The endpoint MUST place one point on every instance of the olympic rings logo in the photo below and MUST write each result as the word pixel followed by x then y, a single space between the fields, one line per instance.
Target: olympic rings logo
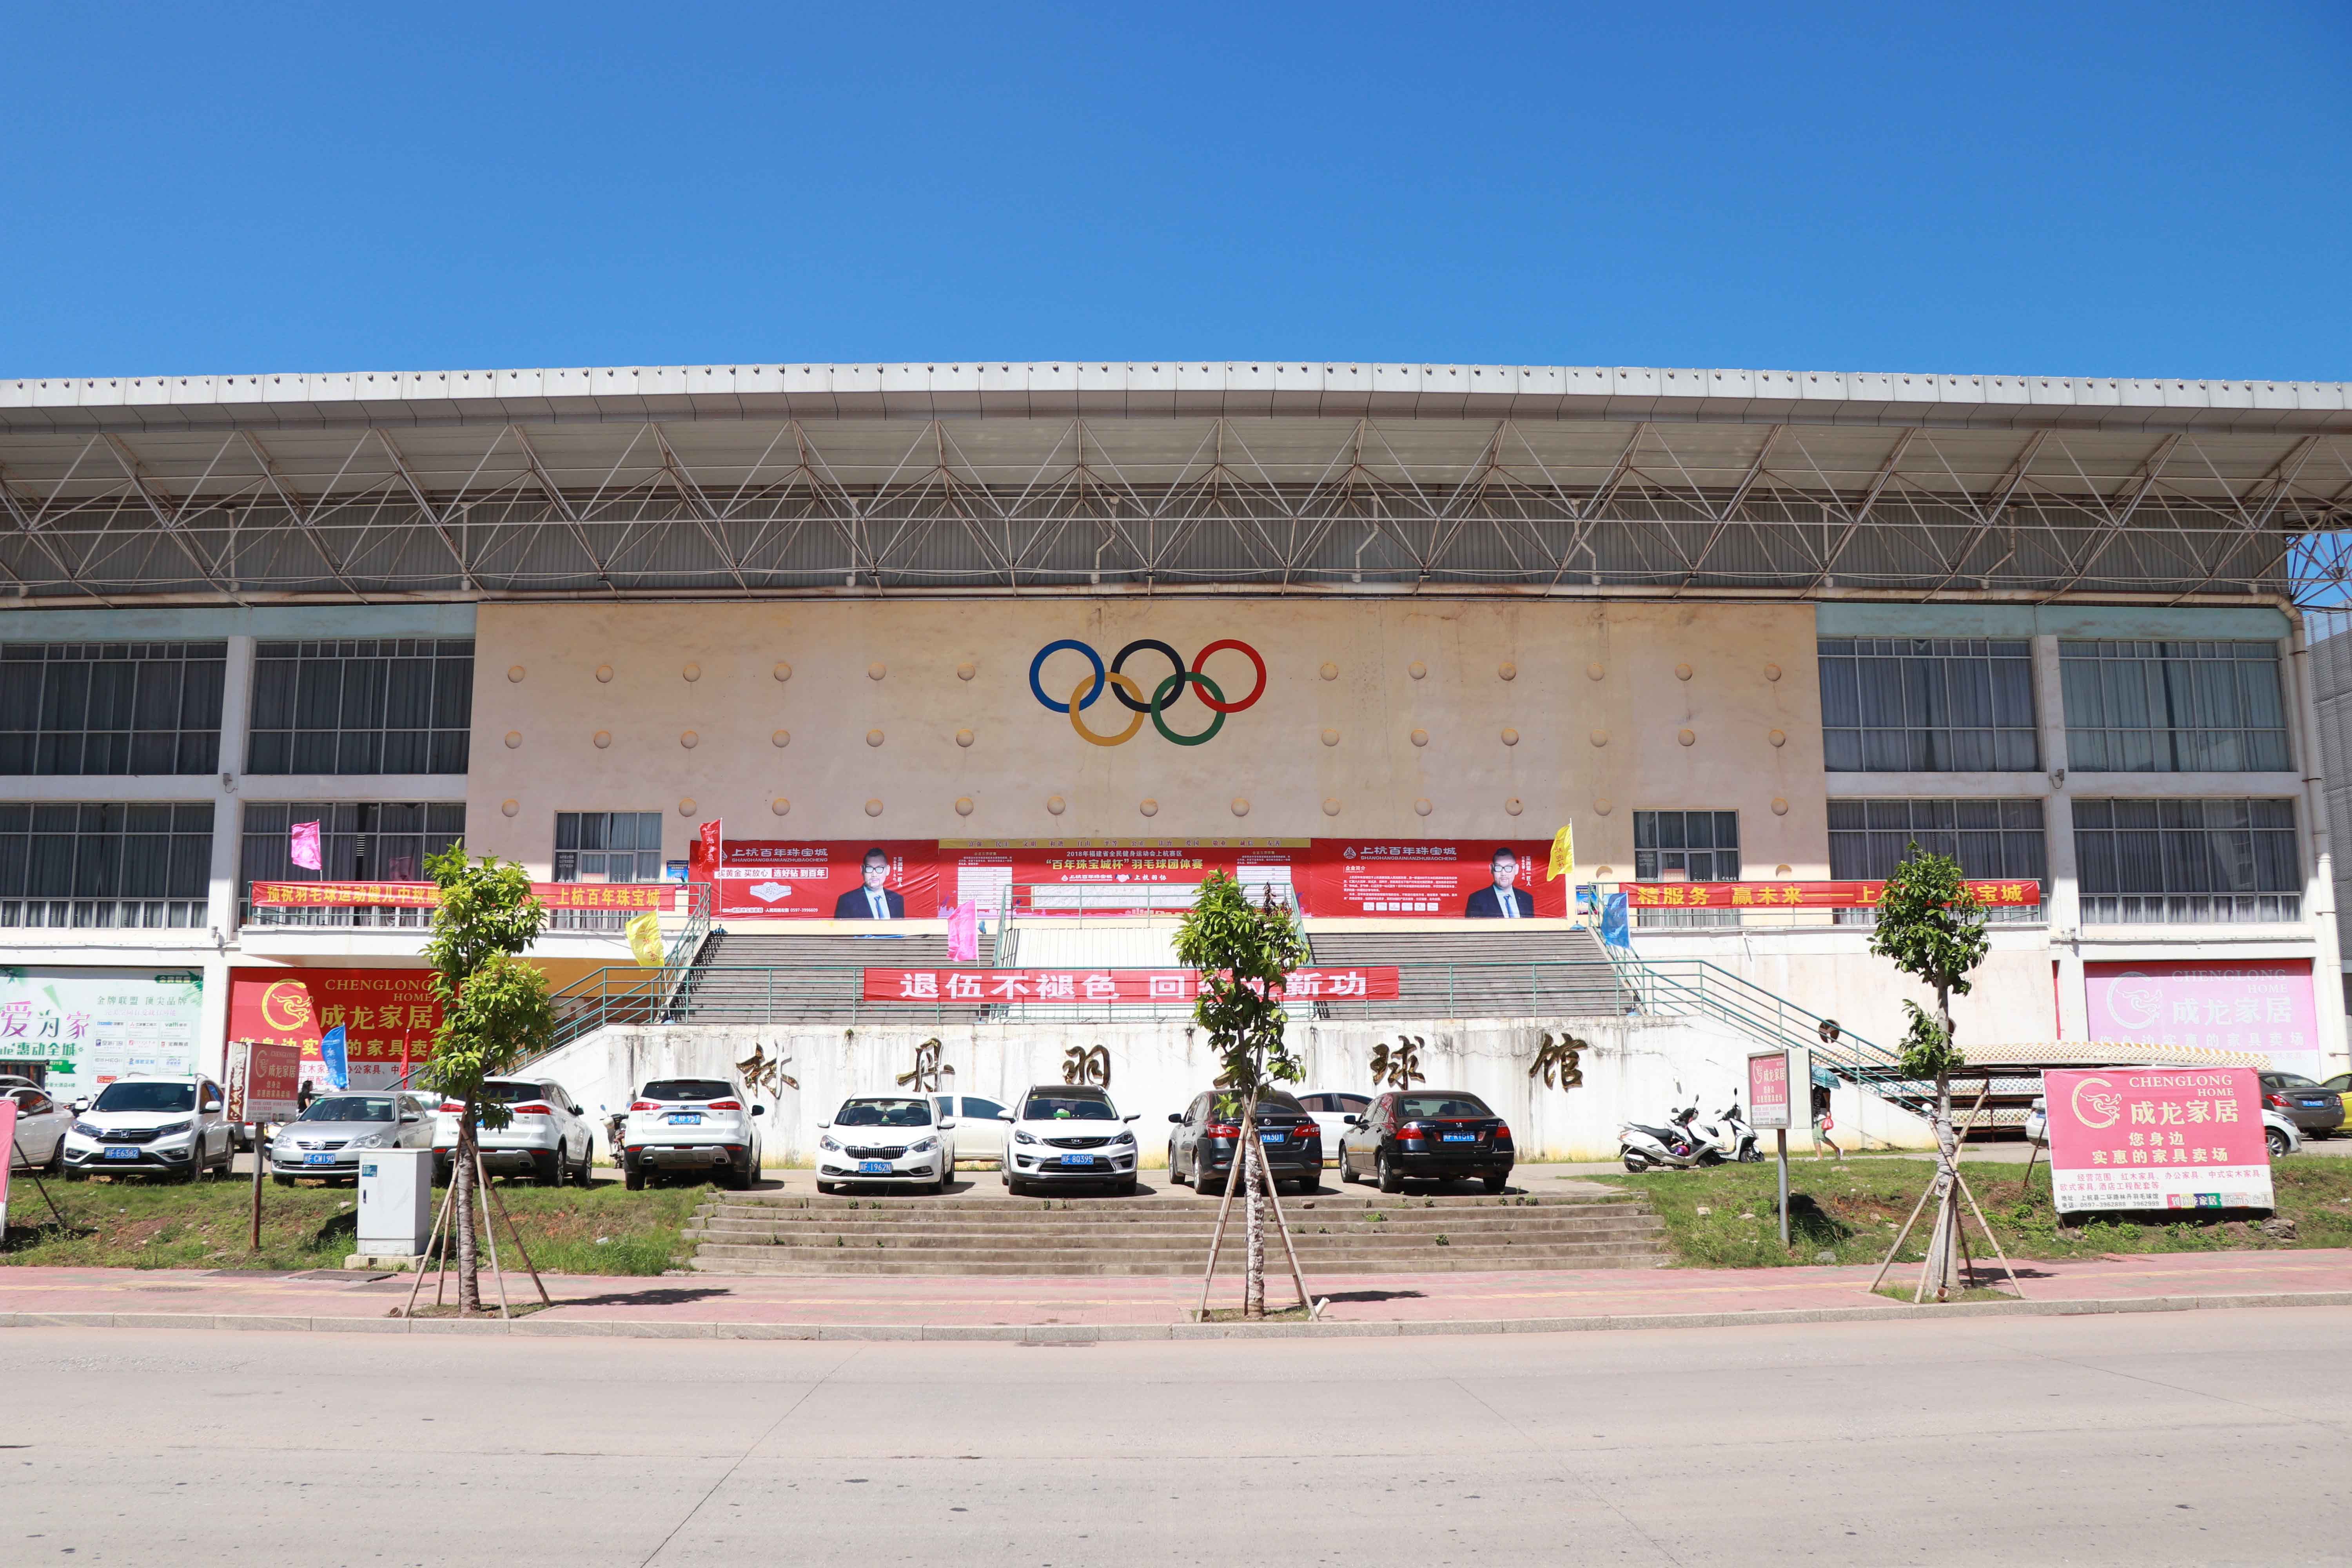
pixel 1131 693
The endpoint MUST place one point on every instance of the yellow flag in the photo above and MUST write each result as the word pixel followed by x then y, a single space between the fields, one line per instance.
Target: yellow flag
pixel 1563 853
pixel 645 939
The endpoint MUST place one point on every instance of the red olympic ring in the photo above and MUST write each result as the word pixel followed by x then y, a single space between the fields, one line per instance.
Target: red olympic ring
pixel 1201 659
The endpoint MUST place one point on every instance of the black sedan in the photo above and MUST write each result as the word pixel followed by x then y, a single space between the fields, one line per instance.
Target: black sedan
pixel 1444 1135
pixel 1201 1146
pixel 2315 1112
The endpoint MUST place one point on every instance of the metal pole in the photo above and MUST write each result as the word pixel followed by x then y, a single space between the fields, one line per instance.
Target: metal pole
pixel 1782 1138
pixel 260 1158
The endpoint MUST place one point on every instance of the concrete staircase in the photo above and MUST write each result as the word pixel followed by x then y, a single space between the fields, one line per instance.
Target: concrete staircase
pixel 780 1232
pixel 1487 969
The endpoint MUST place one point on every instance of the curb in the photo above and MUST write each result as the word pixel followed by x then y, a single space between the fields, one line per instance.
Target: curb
pixel 1078 1333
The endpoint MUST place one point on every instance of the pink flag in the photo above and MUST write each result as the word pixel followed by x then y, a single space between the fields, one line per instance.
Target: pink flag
pixel 964 933
pixel 306 845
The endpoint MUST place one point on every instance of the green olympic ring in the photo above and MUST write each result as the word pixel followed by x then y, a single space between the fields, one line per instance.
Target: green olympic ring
pixel 1174 686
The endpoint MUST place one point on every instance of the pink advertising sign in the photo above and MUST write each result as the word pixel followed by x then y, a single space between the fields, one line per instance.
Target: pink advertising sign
pixel 2251 1004
pixel 1768 1090
pixel 2157 1138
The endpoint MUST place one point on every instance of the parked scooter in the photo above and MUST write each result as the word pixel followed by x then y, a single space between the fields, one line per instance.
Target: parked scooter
pixel 1686 1143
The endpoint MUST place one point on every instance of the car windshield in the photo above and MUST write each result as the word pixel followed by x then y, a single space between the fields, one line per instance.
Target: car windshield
pixel 885 1113
pixel 698 1089
pixel 2291 1080
pixel 1067 1107
pixel 1229 1107
pixel 498 1093
pixel 351 1108
pixel 146 1096
pixel 1442 1105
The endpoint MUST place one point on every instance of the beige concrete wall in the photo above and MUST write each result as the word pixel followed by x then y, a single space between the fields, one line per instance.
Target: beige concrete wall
pixel 953 709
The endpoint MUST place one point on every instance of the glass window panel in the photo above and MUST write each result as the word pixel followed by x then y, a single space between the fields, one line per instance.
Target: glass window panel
pixel 2173 707
pixel 1926 705
pixel 2188 860
pixel 99 865
pixel 359 707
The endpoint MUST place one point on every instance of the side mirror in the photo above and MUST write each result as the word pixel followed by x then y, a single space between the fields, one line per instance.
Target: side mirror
pixel 1004 1116
pixel 1353 1121
pixel 823 1126
pixel 1177 1117
pixel 213 1105
pixel 947 1123
pixel 1137 1117
pixel 79 1106
pixel 758 1110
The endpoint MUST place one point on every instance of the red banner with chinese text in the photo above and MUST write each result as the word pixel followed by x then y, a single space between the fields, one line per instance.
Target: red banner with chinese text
pixel 660 896
pixel 384 1014
pixel 1802 895
pixel 1126 987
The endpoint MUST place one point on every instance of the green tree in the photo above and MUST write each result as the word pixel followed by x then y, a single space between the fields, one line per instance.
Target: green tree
pixel 1245 952
pixel 494 1013
pixel 1933 929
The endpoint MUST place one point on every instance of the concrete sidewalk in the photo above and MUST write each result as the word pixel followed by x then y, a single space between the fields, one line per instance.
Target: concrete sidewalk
pixel 1033 1307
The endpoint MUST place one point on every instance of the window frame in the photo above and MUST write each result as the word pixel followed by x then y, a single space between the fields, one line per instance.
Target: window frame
pixel 1933 839
pixel 1930 681
pixel 2167 852
pixel 157 842
pixel 302 723
pixel 51 691
pixel 2176 685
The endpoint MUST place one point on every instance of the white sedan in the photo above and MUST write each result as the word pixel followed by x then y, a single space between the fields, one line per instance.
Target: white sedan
pixel 41 1124
pixel 894 1141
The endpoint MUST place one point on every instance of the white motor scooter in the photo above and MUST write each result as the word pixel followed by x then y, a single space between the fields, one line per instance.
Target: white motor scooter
pixel 1686 1143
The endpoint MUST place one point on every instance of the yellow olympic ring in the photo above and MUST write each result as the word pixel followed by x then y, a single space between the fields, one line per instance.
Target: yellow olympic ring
pixel 1134 720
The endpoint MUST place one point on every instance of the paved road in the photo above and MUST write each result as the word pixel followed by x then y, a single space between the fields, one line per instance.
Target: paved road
pixel 2186 1437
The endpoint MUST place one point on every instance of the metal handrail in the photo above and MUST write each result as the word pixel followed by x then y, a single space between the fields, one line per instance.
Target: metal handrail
pixel 1696 987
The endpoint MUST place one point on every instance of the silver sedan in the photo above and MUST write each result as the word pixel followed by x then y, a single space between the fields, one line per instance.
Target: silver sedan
pixel 329 1138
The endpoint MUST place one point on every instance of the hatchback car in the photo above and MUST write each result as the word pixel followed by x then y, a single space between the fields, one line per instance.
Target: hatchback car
pixel 548 1137
pixel 2315 1112
pixel 1066 1133
pixel 161 1126
pixel 329 1139
pixel 889 1140
pixel 41 1124
pixel 1201 1145
pixel 693 1124
pixel 1442 1135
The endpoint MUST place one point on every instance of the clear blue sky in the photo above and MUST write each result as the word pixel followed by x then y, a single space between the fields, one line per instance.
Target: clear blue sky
pixel 2133 190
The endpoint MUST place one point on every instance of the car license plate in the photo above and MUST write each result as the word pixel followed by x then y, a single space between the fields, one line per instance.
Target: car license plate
pixel 689 1118
pixel 318 1159
pixel 1462 1137
pixel 2314 1105
pixel 1077 1159
pixel 123 1153
pixel 1272 1134
pixel 873 1167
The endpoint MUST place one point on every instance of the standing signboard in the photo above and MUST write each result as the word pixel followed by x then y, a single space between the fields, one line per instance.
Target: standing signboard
pixel 1775 1078
pixel 265 1081
pixel 2157 1138
pixel 7 1141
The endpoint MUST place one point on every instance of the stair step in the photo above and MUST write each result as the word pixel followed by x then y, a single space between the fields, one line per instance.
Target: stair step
pixel 887 1264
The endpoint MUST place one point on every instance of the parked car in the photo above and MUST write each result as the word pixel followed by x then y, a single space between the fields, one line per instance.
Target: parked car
pixel 41 1124
pixel 2340 1086
pixel 888 1140
pixel 979 1126
pixel 695 1124
pixel 1063 1133
pixel 166 1126
pixel 1201 1147
pixel 2315 1112
pixel 1439 1135
pixel 1331 1112
pixel 329 1139
pixel 550 1136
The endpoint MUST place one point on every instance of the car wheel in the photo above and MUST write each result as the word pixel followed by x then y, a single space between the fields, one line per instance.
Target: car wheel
pixel 283 1181
pixel 585 1174
pixel 1391 1181
pixel 1496 1183
pixel 1346 1170
pixel 1127 1188
pixel 1175 1172
pixel 56 1156
pixel 633 1178
pixel 2276 1140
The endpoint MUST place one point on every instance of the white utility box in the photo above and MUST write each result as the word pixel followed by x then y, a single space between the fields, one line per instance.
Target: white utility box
pixel 396 1202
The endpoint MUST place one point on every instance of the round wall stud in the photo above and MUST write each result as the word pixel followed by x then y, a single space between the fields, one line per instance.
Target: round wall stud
pixel 1241 806
pixel 514 738
pixel 1601 807
pixel 1421 737
pixel 692 672
pixel 1779 738
pixel 1779 870
pixel 1681 672
pixel 1330 808
pixel 605 674
pixel 1510 737
pixel 1330 737
pixel 1421 808
pixel 873 737
pixel 509 807
pixel 1057 804
pixel 1513 805
pixel 1508 670
pixel 690 739
pixel 966 671
pixel 783 671
pixel 964 737
pixel 686 806
pixel 873 808
pixel 1416 670
pixel 1593 672
pixel 1600 737
pixel 1149 807
pixel 875 671
pixel 963 805
pixel 781 806
pixel 1780 806
pixel 1772 672
pixel 1330 671
pixel 780 739
pixel 1602 873
pixel 1685 737
pixel 514 672
pixel 603 740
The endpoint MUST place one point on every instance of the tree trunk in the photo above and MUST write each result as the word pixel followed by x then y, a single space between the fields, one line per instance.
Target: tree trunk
pixel 1943 1265
pixel 462 1198
pixel 1253 1163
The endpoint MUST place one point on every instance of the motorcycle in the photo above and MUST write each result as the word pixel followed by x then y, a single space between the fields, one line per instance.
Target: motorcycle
pixel 1686 1143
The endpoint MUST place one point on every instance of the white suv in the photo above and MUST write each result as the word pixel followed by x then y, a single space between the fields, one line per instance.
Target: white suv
pixel 550 1137
pixel 1068 1133
pixel 690 1124
pixel 169 1126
